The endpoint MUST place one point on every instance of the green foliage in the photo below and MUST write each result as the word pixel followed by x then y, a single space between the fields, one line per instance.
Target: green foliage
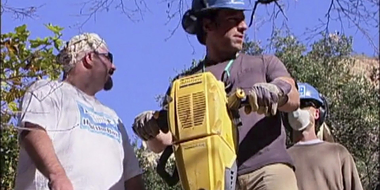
pixel 23 61
pixel 148 162
pixel 251 47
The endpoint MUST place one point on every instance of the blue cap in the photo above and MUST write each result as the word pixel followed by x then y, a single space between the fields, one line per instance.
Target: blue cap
pixel 202 5
pixel 308 92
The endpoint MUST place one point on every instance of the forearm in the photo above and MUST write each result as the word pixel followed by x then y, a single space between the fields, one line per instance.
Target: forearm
pixel 293 98
pixel 160 142
pixel 136 183
pixel 40 149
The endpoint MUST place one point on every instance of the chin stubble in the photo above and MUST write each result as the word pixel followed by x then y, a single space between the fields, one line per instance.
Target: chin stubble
pixel 108 85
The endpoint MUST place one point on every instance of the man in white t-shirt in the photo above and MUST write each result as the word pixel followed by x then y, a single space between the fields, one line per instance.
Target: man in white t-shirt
pixel 69 140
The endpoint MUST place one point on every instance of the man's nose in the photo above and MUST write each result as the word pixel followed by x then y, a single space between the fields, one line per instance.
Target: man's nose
pixel 242 26
pixel 113 68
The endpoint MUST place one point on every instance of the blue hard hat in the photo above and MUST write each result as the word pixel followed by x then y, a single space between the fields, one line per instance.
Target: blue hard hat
pixel 190 17
pixel 308 92
pixel 201 5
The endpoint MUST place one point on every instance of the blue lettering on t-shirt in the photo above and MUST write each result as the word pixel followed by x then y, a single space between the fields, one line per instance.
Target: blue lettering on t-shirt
pixel 98 122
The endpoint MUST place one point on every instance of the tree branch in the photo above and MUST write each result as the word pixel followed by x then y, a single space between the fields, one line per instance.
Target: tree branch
pixel 133 10
pixel 20 12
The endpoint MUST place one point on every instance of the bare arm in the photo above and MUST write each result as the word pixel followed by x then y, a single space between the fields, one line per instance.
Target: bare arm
pixel 293 96
pixel 136 183
pixel 40 149
pixel 40 112
pixel 276 70
pixel 160 142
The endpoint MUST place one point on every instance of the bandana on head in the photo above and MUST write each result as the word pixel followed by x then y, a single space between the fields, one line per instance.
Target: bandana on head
pixel 85 42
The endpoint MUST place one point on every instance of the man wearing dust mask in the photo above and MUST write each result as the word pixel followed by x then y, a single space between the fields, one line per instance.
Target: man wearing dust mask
pixel 320 163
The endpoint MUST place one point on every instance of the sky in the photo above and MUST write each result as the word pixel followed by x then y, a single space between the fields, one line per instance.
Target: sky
pixel 145 60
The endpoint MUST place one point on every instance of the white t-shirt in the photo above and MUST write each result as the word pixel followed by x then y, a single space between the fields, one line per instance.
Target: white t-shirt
pixel 89 139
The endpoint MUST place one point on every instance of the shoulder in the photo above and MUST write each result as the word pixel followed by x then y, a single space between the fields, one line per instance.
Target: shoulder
pixel 338 148
pixel 342 149
pixel 343 153
pixel 44 88
pixel 290 150
pixel 263 60
pixel 43 85
pixel 293 149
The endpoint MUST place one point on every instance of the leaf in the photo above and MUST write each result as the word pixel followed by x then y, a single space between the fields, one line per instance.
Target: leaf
pixel 21 29
pixel 12 106
pixel 57 43
pixel 56 29
pixel 3 85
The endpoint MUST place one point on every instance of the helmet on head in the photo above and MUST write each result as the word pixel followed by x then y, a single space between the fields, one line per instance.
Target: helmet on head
pixel 308 94
pixel 189 19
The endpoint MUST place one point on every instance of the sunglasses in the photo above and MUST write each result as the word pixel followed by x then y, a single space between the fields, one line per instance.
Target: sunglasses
pixel 108 55
pixel 304 104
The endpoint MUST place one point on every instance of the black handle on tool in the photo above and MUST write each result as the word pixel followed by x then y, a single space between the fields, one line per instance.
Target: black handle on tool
pixel 162 121
pixel 173 179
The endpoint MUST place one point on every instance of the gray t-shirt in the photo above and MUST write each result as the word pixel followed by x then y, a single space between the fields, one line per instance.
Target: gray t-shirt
pixel 89 138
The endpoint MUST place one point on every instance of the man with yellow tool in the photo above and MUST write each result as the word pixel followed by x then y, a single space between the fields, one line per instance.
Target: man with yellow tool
pixel 263 162
pixel 320 163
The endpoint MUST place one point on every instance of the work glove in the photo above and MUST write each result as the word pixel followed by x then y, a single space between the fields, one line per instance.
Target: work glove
pixel 263 98
pixel 145 125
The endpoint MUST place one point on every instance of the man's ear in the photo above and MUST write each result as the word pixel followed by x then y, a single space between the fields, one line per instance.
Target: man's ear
pixel 316 114
pixel 88 60
pixel 207 25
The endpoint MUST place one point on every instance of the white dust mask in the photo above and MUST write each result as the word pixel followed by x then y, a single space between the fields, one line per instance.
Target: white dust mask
pixel 299 119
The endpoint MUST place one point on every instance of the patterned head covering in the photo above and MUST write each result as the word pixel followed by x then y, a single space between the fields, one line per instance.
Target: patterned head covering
pixel 77 47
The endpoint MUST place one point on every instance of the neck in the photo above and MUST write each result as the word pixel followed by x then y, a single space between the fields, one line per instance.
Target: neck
pixel 306 135
pixel 215 56
pixel 82 83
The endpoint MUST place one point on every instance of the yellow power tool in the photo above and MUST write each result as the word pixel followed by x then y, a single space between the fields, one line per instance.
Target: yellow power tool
pixel 204 123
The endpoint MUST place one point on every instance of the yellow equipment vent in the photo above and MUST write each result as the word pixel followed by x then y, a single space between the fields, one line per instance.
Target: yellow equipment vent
pixel 191 110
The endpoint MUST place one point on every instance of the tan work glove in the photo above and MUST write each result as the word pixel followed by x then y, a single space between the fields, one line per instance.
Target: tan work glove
pixel 264 98
pixel 145 126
